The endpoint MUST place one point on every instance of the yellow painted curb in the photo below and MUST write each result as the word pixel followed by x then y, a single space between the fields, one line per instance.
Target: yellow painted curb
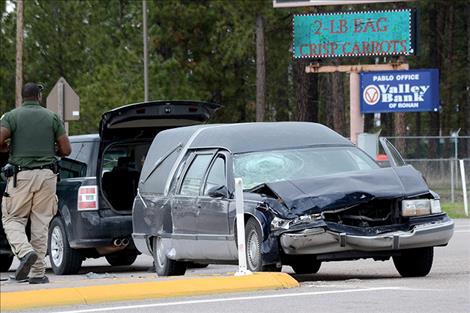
pixel 20 300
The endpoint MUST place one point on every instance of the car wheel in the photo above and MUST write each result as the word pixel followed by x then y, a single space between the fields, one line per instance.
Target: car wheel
pixel 305 265
pixel 120 259
pixel 64 259
pixel 163 265
pixel 5 262
pixel 253 246
pixel 414 262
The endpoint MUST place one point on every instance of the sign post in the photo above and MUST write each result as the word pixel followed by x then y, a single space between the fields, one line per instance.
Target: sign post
pixel 356 118
pixel 64 101
pixel 354 34
pixel 239 204
pixel 464 187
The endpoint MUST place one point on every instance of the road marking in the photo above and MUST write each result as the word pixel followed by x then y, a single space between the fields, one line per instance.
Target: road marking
pixel 462 231
pixel 300 294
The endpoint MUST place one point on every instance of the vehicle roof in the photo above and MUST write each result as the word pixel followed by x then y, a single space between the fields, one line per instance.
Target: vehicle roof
pixel 248 137
pixel 169 146
pixel 82 138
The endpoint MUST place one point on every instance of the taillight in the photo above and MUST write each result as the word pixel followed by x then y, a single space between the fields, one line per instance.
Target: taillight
pixel 87 198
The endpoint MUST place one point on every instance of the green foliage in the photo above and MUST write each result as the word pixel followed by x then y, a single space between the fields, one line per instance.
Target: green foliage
pixel 205 50
pixel 7 59
pixel 454 210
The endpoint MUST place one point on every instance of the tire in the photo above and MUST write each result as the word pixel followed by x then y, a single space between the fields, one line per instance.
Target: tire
pixel 121 259
pixel 163 265
pixel 414 262
pixel 253 239
pixel 5 262
pixel 64 260
pixel 306 265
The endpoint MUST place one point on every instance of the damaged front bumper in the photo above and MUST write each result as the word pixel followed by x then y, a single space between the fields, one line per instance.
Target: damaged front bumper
pixel 319 240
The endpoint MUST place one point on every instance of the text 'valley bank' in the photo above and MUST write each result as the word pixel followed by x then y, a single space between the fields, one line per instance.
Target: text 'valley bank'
pixel 395 91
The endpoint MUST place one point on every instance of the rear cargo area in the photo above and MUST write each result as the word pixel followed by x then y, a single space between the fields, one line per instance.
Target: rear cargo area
pixel 120 171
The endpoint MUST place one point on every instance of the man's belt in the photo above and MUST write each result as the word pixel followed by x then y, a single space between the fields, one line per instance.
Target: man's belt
pixel 52 166
pixel 42 167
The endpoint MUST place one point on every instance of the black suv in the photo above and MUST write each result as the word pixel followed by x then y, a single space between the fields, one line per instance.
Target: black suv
pixel 98 183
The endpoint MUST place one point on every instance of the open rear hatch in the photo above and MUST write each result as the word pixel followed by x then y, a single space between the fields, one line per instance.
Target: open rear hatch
pixel 146 119
pixel 126 134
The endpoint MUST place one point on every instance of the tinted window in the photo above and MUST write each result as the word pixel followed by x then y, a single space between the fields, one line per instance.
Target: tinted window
pixel 193 178
pixel 81 151
pixel 70 168
pixel 216 175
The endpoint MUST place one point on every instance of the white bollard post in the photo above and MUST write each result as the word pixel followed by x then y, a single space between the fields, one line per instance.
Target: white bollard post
pixel 242 268
pixel 464 187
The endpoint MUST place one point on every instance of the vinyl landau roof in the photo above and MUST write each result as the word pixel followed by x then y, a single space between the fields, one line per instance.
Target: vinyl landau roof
pixel 248 137
pixel 170 145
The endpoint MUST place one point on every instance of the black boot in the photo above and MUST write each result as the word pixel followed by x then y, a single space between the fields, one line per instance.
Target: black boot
pixel 25 265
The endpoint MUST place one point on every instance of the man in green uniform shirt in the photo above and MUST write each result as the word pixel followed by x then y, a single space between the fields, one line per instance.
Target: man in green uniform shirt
pixel 34 136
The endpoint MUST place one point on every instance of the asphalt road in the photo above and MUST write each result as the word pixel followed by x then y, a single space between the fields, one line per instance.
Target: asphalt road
pixel 354 286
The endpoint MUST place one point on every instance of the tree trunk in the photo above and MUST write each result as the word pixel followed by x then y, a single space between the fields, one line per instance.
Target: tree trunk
pixel 400 131
pixel 386 120
pixel 327 97
pixel 260 70
pixel 434 42
pixel 19 52
pixel 338 103
pixel 306 92
pixel 449 105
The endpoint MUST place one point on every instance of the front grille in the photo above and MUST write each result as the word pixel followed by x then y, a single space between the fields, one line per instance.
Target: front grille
pixel 370 214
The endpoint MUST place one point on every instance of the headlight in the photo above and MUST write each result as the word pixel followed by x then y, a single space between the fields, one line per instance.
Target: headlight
pixel 420 207
pixel 280 223
pixel 435 206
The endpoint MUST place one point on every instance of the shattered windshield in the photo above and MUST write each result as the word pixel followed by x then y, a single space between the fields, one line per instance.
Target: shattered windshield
pixel 256 168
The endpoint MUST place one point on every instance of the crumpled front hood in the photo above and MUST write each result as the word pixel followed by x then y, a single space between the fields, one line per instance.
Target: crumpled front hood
pixel 314 195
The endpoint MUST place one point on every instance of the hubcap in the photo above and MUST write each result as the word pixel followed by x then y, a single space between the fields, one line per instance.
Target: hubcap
pixel 57 246
pixel 253 250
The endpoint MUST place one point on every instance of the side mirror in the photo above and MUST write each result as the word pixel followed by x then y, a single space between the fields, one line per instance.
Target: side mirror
pixel 218 192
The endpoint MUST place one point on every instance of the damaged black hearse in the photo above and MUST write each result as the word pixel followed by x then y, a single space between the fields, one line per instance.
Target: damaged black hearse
pixel 310 196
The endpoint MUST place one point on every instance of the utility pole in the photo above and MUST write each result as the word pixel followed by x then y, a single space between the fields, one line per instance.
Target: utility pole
pixel 19 51
pixel 260 70
pixel 146 75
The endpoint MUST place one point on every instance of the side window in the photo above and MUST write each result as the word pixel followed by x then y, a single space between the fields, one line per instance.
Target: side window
pixel 71 168
pixel 390 154
pixel 111 157
pixel 194 175
pixel 81 151
pixel 216 175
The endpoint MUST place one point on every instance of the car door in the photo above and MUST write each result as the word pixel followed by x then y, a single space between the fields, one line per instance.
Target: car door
pixel 212 218
pixel 183 206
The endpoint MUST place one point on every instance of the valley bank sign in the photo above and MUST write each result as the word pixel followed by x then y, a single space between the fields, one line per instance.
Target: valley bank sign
pixel 400 91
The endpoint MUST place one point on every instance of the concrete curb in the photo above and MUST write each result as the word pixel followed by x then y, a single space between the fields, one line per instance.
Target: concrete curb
pixel 20 300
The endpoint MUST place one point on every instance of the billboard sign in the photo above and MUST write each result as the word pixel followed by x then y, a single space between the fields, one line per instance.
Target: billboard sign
pixel 353 34
pixel 400 91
